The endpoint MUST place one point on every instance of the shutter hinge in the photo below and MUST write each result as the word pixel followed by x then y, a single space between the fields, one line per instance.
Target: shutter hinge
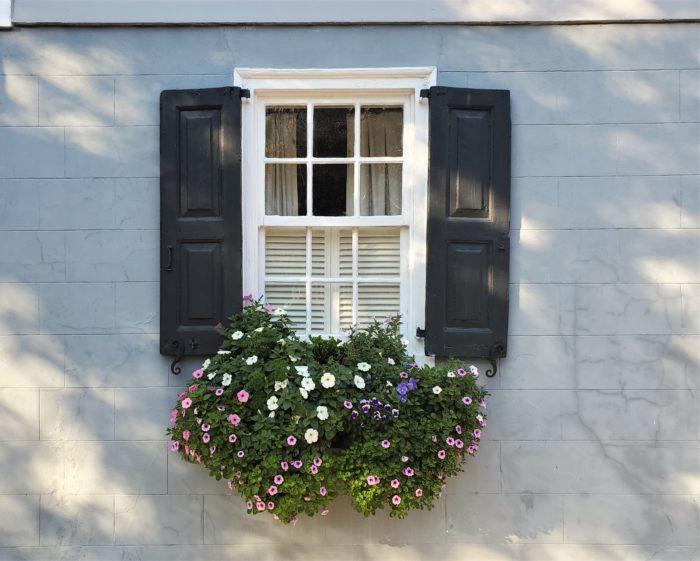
pixel 179 347
pixel 245 93
pixel 420 333
pixel 425 93
pixel 497 350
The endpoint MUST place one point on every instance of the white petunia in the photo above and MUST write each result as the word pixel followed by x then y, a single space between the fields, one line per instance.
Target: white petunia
pixel 282 342
pixel 328 380
pixel 236 335
pixel 272 403
pixel 280 312
pixel 359 382
pixel 404 342
pixel 281 385
pixel 206 364
pixel 251 360
pixel 304 393
pixel 363 366
pixel 211 375
pixel 308 384
pixel 303 370
pixel 437 390
pixel 272 415
pixel 322 412
pixel 258 330
pixel 391 361
pixel 474 370
pixel 223 352
pixel 226 379
pixel 389 384
pixel 311 436
pixel 293 358
pixel 451 374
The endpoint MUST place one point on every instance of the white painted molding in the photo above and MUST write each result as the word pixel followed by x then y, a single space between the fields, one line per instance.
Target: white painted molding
pixel 5 13
pixel 348 11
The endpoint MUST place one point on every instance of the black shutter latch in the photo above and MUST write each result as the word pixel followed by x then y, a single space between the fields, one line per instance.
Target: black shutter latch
pixel 420 332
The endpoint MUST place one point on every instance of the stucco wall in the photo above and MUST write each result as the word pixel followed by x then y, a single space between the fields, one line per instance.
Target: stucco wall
pixel 592 452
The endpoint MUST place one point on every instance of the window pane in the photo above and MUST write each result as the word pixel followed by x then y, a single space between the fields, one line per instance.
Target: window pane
pixel 292 298
pixel 380 189
pixel 285 189
pixel 333 189
pixel 377 301
pixel 334 132
pixel 379 253
pixel 285 132
pixel 381 131
pixel 285 252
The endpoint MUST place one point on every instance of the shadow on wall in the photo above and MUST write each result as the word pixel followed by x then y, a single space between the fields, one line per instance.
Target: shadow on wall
pixel 83 103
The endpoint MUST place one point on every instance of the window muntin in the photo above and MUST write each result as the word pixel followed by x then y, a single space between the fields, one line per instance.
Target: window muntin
pixel 334 228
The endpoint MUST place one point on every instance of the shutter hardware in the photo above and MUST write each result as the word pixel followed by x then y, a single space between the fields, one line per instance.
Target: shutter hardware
pixel 179 347
pixel 420 332
pixel 497 350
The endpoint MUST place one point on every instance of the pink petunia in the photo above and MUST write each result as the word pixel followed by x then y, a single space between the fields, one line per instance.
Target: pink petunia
pixel 434 438
pixel 186 435
pixel 232 438
pixel 233 419
pixel 284 466
pixel 395 483
pixel 212 450
pixel 229 484
pixel 297 464
pixel 272 490
pixel 450 441
pixel 174 446
pixel 325 512
pixel 269 308
pixel 323 491
pixel 206 427
pixel 477 433
pixel 419 492
pixel 270 505
pixel 404 459
pixel 198 373
pixel 396 500
pixel 242 396
pixel 193 388
pixel 291 440
pixel 385 443
pixel 249 505
pixel 181 395
pixel 318 462
pixel 347 404
pixel 372 480
pixel 206 438
pixel 458 429
pixel 314 470
pixel 261 506
pixel 173 415
pixel 219 326
pixel 408 471
pixel 219 392
pixel 467 400
pixel 186 403
pixel 459 444
pixel 240 453
pixel 441 454
pixel 278 479
pixel 248 298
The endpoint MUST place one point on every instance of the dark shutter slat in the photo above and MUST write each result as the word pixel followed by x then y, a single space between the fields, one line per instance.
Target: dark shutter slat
pixel 200 155
pixel 468 223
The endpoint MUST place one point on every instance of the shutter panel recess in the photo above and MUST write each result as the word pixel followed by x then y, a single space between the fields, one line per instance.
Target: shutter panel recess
pixel 468 223
pixel 200 190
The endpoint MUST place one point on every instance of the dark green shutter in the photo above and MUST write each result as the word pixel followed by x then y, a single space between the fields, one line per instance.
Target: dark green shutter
pixel 468 223
pixel 200 197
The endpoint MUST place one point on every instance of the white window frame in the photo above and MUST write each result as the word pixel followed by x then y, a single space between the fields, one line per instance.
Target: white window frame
pixel 5 13
pixel 297 86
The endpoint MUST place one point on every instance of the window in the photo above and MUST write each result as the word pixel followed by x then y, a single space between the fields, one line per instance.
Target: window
pixel 315 192
pixel 334 175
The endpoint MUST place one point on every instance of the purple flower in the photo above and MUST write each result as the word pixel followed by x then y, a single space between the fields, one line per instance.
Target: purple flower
pixel 291 440
pixel 459 444
pixel 284 466
pixel 407 471
pixel 354 415
pixel 318 462
pixel 404 374
pixel 206 427
pixel 402 389
pixel 394 412
pixel 174 446
pixel 219 391
pixel 413 383
pixel 240 453
pixel 458 429
pixel 347 404
pixel 450 441
pixel 403 399
pixel 297 464
pixel 232 438
pixel 220 407
pixel 461 372
pixel 205 437
pixel 467 400
pixel 314 470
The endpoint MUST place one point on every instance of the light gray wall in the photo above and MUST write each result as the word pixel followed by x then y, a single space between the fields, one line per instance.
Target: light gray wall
pixel 592 453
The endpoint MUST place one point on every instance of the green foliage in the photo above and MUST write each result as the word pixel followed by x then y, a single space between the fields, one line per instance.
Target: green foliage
pixel 291 424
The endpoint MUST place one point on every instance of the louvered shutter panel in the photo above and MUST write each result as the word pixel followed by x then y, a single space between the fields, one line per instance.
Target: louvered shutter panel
pixel 200 158
pixel 468 223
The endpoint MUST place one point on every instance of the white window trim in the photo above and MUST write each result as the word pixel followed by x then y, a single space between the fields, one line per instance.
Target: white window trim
pixel 5 13
pixel 336 83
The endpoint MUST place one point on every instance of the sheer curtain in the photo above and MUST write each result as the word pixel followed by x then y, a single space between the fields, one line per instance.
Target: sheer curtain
pixel 281 197
pixel 380 184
